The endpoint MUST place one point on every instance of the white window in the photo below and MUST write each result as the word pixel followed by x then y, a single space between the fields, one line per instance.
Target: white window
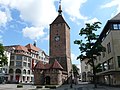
pixel 115 26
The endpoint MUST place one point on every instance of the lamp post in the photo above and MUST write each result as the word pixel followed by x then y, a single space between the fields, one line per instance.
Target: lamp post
pixel 71 86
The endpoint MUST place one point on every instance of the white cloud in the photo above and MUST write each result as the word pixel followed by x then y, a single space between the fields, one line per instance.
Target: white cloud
pixel 33 32
pixel 5 15
pixel 3 18
pixel 111 4
pixel 40 13
pixel 46 38
pixel 73 58
pixel 72 8
pixel 91 20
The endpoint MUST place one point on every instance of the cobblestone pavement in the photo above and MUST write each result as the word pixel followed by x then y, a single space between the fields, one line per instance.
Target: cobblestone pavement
pixel 81 86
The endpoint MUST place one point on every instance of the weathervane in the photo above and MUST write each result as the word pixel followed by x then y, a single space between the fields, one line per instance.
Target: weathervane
pixel 60 10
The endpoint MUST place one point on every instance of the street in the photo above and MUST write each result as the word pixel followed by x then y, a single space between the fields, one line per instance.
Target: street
pixel 80 86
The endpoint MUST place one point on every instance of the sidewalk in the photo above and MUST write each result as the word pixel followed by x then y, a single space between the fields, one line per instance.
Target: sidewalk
pixel 81 86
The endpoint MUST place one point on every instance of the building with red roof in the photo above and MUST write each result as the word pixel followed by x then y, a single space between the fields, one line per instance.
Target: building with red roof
pixel 22 61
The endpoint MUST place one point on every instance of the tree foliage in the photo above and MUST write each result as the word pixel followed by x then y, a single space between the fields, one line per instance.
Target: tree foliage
pixel 3 58
pixel 75 70
pixel 91 47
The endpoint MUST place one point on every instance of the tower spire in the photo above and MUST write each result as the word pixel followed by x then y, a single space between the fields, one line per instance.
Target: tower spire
pixel 60 10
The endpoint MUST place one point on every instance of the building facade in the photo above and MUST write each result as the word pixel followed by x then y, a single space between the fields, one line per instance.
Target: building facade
pixel 22 61
pixel 86 71
pixel 109 69
pixel 46 74
pixel 59 51
pixel 4 70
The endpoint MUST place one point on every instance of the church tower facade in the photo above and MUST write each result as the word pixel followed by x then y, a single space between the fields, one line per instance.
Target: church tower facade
pixel 60 43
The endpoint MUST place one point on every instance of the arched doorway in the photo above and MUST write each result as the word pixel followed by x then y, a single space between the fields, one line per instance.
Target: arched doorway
pixel 84 76
pixel 47 80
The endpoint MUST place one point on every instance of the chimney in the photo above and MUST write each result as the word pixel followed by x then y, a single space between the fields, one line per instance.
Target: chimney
pixel 34 43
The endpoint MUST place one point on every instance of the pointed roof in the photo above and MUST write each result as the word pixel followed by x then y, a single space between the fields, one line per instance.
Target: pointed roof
pixel 42 66
pixel 30 46
pixel 59 18
pixel 39 65
pixel 117 17
pixel 56 65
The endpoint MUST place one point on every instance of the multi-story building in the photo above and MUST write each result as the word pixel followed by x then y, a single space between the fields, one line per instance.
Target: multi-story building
pixel 22 61
pixel 86 71
pixel 4 70
pixel 109 70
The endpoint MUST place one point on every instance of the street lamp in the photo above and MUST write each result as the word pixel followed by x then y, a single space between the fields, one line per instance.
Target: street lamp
pixel 71 86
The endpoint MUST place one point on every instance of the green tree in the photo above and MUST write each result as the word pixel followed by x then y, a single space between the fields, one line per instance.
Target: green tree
pixel 3 58
pixel 91 47
pixel 75 70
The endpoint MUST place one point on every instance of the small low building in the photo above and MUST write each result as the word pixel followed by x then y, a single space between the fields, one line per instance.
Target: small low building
pixel 48 74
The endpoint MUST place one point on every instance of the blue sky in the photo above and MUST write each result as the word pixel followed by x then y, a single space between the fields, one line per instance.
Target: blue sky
pixel 23 21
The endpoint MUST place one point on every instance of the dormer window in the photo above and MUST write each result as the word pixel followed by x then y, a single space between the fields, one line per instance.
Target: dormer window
pixel 116 26
pixel 119 26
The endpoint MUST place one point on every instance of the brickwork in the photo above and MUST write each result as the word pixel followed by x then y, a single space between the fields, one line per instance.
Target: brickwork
pixel 54 74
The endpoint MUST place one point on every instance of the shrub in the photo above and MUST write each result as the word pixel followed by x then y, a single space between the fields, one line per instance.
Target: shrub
pixel 19 86
pixel 51 86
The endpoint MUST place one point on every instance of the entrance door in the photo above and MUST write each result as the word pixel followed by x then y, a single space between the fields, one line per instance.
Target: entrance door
pixel 47 79
pixel 17 78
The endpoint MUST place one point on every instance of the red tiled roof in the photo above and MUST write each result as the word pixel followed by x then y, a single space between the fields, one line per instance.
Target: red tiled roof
pixel 19 47
pixel 56 65
pixel 47 66
pixel 30 46
pixel 39 65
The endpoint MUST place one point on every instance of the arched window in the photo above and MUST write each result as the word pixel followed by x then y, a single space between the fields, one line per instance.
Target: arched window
pixel 10 70
pixel 28 71
pixel 18 71
pixel 24 71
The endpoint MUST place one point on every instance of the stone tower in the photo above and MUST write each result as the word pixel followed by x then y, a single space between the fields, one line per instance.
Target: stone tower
pixel 60 42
